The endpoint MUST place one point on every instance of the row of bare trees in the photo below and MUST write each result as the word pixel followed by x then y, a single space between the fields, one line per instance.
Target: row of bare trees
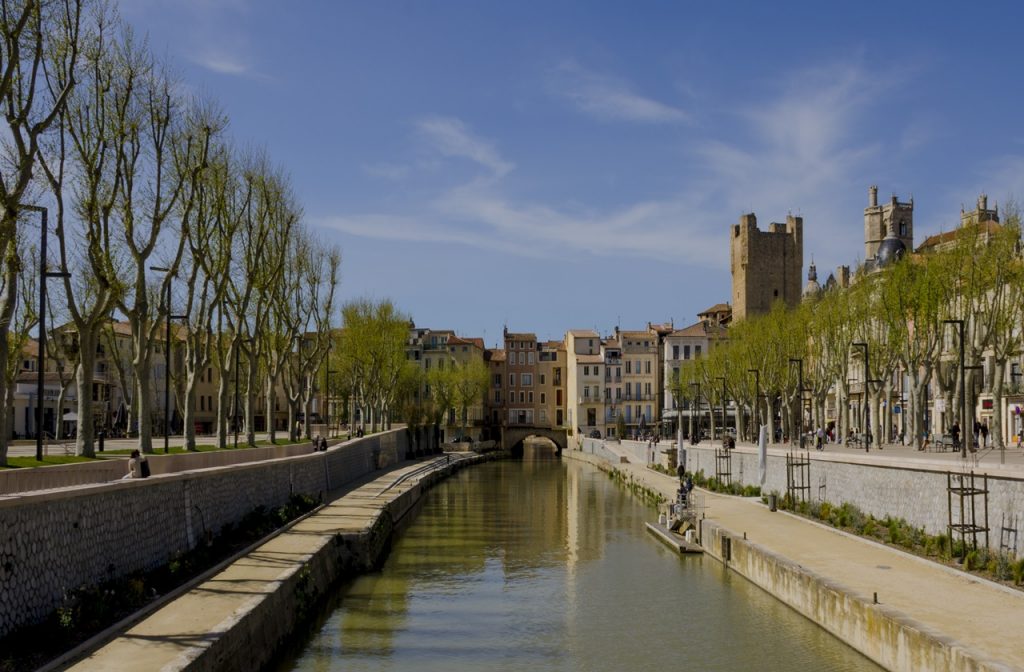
pixel 154 214
pixel 904 316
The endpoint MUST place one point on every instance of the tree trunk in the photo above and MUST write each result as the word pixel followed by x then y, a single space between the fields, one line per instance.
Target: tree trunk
pixel 269 394
pixel 996 427
pixel 307 405
pixel 224 408
pixel 87 339
pixel 188 412
pixel 144 397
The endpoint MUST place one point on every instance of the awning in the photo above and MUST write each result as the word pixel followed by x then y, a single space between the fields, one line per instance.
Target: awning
pixel 70 417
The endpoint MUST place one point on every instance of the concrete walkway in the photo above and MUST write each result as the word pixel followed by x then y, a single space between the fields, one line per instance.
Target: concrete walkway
pixel 981 616
pixel 176 635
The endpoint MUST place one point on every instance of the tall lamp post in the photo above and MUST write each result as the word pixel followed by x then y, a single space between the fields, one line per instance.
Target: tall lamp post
pixel 963 397
pixel 167 360
pixel 696 437
pixel 867 380
pixel 327 398
pixel 41 363
pixel 724 422
pixel 800 394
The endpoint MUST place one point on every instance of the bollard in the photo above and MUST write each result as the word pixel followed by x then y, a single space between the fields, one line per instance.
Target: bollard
pixel 102 435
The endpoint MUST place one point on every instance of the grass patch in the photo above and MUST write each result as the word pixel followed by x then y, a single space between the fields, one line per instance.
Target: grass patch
pixel 48 461
pixel 89 609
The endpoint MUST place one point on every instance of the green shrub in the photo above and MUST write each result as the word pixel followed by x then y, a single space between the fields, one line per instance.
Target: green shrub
pixel 1017 571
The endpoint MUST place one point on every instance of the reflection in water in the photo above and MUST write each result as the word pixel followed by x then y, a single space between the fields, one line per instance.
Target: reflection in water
pixel 545 565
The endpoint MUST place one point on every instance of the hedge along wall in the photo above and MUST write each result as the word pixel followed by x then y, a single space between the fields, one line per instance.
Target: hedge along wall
pixel 902 488
pixel 54 541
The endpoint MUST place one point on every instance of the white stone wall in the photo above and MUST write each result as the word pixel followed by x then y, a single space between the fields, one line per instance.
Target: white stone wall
pixel 54 541
pixel 918 495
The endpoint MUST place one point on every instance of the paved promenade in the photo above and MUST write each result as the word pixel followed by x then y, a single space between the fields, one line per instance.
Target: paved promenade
pixel 178 633
pixel 980 616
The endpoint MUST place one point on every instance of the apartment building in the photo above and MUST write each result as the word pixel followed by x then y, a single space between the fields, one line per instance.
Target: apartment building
pixel 521 363
pixel 640 379
pixel 584 368
pixel 551 384
pixel 689 343
pixel 441 349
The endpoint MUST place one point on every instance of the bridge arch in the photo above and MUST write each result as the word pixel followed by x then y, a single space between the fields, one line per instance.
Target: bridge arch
pixel 512 438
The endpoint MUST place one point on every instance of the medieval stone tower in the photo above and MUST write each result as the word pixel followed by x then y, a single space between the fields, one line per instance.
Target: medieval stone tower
pixel 878 219
pixel 766 265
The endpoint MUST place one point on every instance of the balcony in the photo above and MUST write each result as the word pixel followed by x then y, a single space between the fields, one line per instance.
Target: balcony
pixel 612 379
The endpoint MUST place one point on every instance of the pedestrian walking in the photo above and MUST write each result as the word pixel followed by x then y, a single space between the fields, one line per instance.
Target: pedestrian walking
pixel 819 439
pixel 138 466
pixel 984 434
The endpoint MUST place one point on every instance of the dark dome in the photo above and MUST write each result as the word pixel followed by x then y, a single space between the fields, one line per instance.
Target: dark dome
pixel 891 249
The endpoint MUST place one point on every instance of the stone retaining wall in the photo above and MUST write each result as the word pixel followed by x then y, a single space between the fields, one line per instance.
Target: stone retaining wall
pixel 887 637
pixel 54 541
pixel 916 493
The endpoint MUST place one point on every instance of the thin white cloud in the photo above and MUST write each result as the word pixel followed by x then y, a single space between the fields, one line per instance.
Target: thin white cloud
pixel 222 64
pixel 803 150
pixel 608 98
pixel 452 138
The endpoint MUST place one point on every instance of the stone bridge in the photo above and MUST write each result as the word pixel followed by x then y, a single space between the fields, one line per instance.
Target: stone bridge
pixel 512 438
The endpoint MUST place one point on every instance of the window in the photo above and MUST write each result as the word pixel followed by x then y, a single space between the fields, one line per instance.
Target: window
pixel 618 393
pixel 586 392
pixel 497 396
pixel 497 380
pixel 686 352
pixel 527 380
pixel 586 370
pixel 522 397
pixel 202 403
pixel 542 398
pixel 558 397
pixel 542 379
pixel 597 391
pixel 511 380
pixel 647 366
pixel 647 388
pixel 629 366
pixel 696 351
pixel 597 370
pixel 529 357
pixel 522 358
pixel 675 352
pixel 529 396
pixel 543 415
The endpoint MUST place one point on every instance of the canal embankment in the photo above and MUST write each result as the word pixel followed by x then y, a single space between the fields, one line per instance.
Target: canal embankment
pixel 240 618
pixel 902 611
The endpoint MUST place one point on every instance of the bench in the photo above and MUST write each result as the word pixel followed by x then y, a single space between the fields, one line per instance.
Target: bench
pixel 857 440
pixel 944 443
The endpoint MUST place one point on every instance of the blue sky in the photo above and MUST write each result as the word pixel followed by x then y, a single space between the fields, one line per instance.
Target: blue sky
pixel 556 165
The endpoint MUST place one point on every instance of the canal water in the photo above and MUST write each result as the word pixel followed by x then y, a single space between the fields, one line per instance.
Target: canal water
pixel 543 564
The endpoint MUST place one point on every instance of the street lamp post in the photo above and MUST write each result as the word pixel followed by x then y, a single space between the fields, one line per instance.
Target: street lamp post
pixel 696 437
pixel 41 362
pixel 167 361
pixel 724 423
pixel 327 397
pixel 963 396
pixel 864 396
pixel 800 402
